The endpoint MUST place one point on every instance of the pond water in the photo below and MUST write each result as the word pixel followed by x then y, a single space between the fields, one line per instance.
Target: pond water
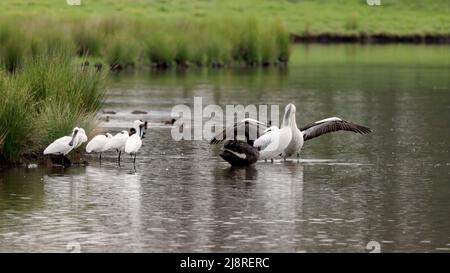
pixel 391 186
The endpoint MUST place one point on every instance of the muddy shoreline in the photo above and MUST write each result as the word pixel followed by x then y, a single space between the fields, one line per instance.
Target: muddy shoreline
pixel 381 38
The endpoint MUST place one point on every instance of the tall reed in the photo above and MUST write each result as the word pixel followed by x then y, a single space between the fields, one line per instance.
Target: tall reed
pixel 44 100
pixel 123 41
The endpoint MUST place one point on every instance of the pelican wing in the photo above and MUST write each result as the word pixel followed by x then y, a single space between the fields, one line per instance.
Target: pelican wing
pixel 249 129
pixel 333 124
pixel 263 141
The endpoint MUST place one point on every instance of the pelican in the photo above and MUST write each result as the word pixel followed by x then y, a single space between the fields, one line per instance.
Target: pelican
pixel 64 145
pixel 243 153
pixel 118 141
pixel 134 142
pixel 98 143
pixel 274 141
pixel 239 138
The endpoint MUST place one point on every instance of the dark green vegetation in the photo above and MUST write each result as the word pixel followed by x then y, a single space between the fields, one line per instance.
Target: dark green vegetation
pixel 44 100
pixel 121 33
pixel 122 42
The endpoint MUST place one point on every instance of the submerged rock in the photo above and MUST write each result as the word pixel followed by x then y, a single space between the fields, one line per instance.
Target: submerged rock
pixel 138 112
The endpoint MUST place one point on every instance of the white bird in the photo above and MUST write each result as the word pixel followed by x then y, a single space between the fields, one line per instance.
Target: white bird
pixel 118 141
pixel 79 138
pixel 273 143
pixel 60 146
pixel 98 143
pixel 64 145
pixel 296 143
pixel 134 142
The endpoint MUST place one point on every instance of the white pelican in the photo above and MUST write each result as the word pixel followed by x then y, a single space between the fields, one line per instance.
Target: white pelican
pixel 273 143
pixel 238 152
pixel 118 141
pixel 134 142
pixel 98 143
pixel 64 145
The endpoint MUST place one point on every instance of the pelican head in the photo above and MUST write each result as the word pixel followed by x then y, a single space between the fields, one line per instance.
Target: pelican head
pixel 74 134
pixel 289 114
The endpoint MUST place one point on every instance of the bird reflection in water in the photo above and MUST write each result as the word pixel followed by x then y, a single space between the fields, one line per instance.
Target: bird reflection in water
pixel 241 173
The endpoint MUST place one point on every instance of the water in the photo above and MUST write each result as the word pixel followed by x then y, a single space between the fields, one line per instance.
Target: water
pixel 391 186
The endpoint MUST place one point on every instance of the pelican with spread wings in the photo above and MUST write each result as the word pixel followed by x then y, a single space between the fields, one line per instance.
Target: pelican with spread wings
pixel 250 140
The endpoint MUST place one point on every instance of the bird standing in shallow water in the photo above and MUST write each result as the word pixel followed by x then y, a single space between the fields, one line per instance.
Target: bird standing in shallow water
pixel 97 144
pixel 239 138
pixel 118 141
pixel 64 145
pixel 238 152
pixel 134 142
pixel 273 142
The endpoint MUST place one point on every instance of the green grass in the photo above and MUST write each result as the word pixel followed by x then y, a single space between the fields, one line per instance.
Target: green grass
pixel 128 42
pixel 300 16
pixel 122 33
pixel 44 100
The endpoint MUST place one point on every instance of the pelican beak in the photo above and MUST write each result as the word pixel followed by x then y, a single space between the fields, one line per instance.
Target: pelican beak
pixel 288 112
pixel 73 137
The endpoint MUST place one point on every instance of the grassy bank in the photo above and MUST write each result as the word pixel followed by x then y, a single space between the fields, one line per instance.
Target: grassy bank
pixel 44 100
pixel 399 17
pixel 121 33
pixel 121 42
